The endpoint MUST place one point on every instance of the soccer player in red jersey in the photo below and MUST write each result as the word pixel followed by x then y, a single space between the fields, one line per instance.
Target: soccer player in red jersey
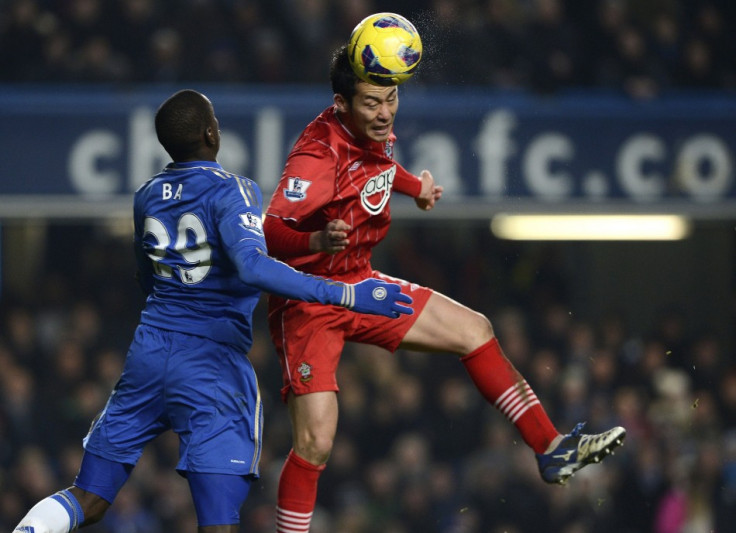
pixel 330 208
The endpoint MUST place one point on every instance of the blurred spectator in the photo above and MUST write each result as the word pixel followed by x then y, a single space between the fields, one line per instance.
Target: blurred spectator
pixel 500 46
pixel 667 44
pixel 85 20
pixel 165 63
pixel 712 29
pixel 551 47
pixel 307 27
pixel 136 21
pixel 97 61
pixel 697 67
pixel 631 67
pixel 56 66
pixel 21 40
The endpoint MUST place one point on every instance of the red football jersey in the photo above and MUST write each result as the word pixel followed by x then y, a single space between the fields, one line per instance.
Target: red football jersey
pixel 329 175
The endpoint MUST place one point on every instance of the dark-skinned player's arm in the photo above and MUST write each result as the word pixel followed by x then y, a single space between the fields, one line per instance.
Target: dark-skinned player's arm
pixel 246 247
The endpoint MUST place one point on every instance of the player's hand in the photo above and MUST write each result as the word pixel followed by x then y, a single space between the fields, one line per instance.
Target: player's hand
pixel 430 192
pixel 332 239
pixel 377 297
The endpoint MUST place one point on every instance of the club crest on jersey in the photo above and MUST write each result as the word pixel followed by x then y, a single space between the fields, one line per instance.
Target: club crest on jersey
pixel 388 149
pixel 252 223
pixel 306 372
pixel 377 191
pixel 296 190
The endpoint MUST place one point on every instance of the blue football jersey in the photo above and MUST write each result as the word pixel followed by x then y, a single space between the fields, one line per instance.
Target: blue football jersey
pixel 190 220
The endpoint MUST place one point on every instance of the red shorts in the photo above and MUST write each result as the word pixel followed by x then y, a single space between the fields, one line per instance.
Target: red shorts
pixel 309 337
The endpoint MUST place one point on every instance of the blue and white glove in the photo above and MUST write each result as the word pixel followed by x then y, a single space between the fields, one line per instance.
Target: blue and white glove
pixel 376 297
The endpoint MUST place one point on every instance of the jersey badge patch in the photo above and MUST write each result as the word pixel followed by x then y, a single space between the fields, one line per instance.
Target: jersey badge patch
pixel 388 149
pixel 306 372
pixel 252 223
pixel 296 191
pixel 355 166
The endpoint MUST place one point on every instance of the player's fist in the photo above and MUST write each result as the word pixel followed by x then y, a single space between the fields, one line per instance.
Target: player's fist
pixel 332 239
pixel 377 297
pixel 430 192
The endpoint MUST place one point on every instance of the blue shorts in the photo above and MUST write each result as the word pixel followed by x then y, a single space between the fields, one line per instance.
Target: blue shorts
pixel 206 392
pixel 217 497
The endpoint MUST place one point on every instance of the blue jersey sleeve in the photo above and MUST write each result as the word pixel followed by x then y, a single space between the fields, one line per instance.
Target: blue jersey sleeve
pixel 240 224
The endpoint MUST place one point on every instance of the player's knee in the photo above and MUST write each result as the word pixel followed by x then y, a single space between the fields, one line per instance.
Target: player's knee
pixel 314 448
pixel 479 331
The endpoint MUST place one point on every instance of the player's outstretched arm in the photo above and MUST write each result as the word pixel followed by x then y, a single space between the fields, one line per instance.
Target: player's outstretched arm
pixel 371 296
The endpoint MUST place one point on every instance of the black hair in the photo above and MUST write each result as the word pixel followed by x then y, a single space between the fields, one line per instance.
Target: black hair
pixel 343 78
pixel 181 122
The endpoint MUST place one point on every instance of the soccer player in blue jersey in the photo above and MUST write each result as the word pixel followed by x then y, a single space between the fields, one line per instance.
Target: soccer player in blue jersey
pixel 203 262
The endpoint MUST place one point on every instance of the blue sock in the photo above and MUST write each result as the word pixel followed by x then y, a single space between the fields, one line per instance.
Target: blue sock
pixel 71 505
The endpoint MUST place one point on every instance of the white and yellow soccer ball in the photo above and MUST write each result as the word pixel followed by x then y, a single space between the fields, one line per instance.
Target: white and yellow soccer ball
pixel 385 49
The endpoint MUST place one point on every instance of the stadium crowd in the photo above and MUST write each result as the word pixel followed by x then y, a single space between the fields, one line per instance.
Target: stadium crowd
pixel 640 48
pixel 427 456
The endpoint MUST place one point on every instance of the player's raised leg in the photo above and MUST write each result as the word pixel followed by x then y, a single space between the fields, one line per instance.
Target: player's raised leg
pixel 446 325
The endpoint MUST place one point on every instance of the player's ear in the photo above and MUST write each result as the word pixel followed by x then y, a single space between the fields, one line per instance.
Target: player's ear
pixel 210 136
pixel 340 103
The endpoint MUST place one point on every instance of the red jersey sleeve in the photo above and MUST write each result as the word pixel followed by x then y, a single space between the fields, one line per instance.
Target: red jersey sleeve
pixel 283 241
pixel 407 183
pixel 307 184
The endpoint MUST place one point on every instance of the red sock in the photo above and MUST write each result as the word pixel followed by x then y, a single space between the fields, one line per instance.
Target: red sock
pixel 297 494
pixel 502 385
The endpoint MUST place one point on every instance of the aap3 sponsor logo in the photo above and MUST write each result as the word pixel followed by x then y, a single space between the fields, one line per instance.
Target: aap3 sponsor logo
pixel 377 191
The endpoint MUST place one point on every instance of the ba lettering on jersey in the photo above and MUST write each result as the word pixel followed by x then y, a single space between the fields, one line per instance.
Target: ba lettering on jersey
pixel 296 191
pixel 252 223
pixel 168 191
pixel 377 191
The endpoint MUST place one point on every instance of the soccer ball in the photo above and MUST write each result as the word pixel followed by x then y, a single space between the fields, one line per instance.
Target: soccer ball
pixel 385 49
